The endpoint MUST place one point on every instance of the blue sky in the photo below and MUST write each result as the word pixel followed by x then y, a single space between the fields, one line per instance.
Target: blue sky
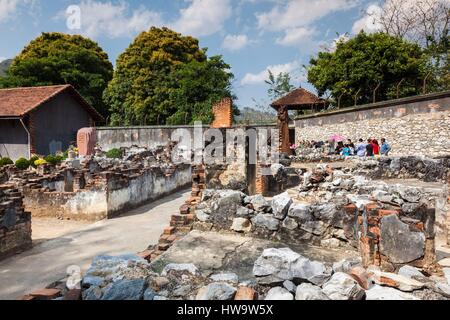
pixel 252 35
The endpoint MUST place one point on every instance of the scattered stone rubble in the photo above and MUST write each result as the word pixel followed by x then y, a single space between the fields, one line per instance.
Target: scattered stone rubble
pixel 278 274
pixel 336 208
pixel 409 167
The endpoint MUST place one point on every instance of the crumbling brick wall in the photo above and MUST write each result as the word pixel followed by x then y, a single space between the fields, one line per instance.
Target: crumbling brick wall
pixel 15 222
pixel 391 238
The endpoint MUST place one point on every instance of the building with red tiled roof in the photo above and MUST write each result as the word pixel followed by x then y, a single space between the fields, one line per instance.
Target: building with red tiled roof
pixel 42 120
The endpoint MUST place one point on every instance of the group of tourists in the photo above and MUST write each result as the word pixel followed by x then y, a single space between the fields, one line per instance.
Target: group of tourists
pixel 362 149
pixel 347 148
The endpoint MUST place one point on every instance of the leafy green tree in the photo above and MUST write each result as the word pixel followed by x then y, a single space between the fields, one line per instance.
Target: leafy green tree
pixel 279 85
pixel 164 77
pixel 199 85
pixel 57 58
pixel 368 62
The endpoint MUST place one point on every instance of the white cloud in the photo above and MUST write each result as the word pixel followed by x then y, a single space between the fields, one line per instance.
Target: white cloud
pixel 296 36
pixel 368 22
pixel 203 17
pixel 298 13
pixel 7 8
pixel 235 42
pixel 337 40
pixel 2 59
pixel 115 20
pixel 257 78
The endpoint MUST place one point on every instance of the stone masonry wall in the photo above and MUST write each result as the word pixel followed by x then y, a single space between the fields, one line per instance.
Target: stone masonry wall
pixel 412 127
pixel 15 222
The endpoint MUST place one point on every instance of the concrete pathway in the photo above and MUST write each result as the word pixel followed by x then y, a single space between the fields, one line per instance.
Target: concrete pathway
pixel 48 261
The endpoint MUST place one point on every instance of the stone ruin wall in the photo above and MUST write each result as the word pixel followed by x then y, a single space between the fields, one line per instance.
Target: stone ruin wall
pixel 15 222
pixel 414 127
pixel 372 228
pixel 90 193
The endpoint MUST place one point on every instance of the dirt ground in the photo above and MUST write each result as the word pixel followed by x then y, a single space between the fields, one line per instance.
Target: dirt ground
pixel 44 229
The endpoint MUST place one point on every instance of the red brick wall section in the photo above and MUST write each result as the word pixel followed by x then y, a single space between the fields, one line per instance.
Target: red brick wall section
pixel 223 114
pixel 261 180
pixel 86 141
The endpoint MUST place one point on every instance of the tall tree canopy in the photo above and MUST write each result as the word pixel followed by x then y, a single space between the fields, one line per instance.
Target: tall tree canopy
pixel 57 58
pixel 279 85
pixel 164 77
pixel 199 85
pixel 365 62
pixel 427 23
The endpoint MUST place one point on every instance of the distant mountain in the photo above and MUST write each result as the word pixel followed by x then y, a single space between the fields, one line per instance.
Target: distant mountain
pixel 4 65
pixel 254 116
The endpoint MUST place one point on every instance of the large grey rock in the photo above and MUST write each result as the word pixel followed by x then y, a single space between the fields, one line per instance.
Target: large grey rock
pixel 345 265
pixel 183 267
pixel 290 286
pixel 278 265
pixel 443 288
pixel 385 293
pixel 258 202
pixel 317 228
pixel 313 271
pixel 241 225
pixel 125 290
pixel 279 293
pixel 149 294
pixel 290 224
pixel 274 265
pixel 307 291
pixel 266 221
pixel 301 212
pixel 280 205
pixel 446 274
pixel 93 293
pixel 398 243
pixel 106 269
pixel 325 212
pixel 331 243
pixel 409 194
pixel 216 291
pixel 395 280
pixel 341 286
pixel 229 201
pixel 243 212
pixel 410 272
pixel 202 215
pixel 225 277
pixel 89 281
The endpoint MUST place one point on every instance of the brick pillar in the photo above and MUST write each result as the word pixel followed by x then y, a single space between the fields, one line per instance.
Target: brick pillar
pixel 261 180
pixel 86 141
pixel 223 114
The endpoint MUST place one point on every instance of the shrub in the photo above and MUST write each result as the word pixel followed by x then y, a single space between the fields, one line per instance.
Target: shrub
pixel 51 159
pixel 22 164
pixel 114 154
pixel 5 161
pixel 39 162
pixel 60 158
pixel 33 160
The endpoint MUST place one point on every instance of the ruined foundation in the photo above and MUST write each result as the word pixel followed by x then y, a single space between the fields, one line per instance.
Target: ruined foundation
pixel 15 222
